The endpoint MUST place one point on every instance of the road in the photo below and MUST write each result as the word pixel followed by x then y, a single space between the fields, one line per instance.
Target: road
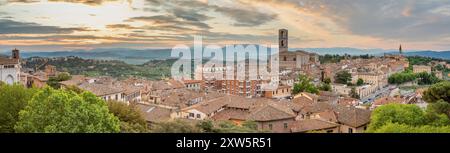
pixel 379 93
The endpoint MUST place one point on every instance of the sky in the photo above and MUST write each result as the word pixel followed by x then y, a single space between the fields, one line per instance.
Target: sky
pixel 56 25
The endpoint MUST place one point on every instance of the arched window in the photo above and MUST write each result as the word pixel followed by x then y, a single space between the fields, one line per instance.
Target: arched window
pixel 9 80
pixel 284 58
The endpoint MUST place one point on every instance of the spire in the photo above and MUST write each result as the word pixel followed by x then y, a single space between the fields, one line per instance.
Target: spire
pixel 400 49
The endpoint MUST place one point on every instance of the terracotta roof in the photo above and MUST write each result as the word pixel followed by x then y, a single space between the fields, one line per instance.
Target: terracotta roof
pixel 347 101
pixel 352 116
pixel 128 88
pixel 175 84
pixel 347 115
pixel 211 106
pixel 153 113
pixel 311 125
pixel 100 89
pixel 192 81
pixel 388 100
pixel 328 115
pixel 271 112
pixel 160 85
pixel 74 81
pixel 4 60
pixel 302 101
pixel 228 114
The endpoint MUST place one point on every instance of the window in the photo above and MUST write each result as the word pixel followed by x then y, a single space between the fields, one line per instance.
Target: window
pixel 191 114
pixel 365 128
pixel 270 126
pixel 285 125
pixel 350 130
pixel 284 59
pixel 117 97
pixel 295 59
pixel 198 115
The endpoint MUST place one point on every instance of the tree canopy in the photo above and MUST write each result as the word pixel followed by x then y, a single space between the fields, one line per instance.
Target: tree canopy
pixel 131 119
pixel 54 81
pixel 407 118
pixel 343 77
pixel 304 85
pixel 360 82
pixel 13 98
pixel 437 92
pixel 65 111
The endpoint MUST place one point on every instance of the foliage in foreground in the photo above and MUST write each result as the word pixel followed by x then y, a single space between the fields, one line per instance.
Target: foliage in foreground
pixel 13 99
pixel 407 118
pixel 131 118
pixel 207 126
pixel 57 111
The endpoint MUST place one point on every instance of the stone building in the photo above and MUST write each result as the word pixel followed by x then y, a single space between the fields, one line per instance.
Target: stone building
pixel 10 68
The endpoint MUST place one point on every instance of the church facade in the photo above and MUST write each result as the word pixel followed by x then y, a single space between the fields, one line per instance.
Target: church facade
pixel 10 68
pixel 299 60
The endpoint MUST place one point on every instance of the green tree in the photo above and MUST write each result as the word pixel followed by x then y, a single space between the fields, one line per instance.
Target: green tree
pixel 325 87
pixel 327 80
pixel 402 77
pixel 304 85
pixel 360 82
pixel 131 118
pixel 439 67
pixel 403 128
pixel 437 92
pixel 54 81
pixel 410 115
pixel 439 107
pixel 353 93
pixel 425 78
pixel 176 126
pixel 13 98
pixel 227 127
pixel 207 126
pixel 64 111
pixel 343 77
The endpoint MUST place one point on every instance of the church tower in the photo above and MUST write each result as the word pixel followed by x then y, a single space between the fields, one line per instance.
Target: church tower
pixel 15 54
pixel 283 40
pixel 400 49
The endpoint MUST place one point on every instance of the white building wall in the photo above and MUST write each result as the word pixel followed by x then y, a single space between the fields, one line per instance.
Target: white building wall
pixel 13 73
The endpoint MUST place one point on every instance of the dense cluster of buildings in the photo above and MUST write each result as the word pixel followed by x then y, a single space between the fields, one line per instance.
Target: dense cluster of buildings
pixel 238 101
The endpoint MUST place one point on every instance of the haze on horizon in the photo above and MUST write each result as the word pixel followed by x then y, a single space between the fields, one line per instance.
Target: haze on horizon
pixel 43 25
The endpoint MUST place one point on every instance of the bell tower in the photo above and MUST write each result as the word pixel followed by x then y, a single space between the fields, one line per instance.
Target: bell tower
pixel 15 54
pixel 283 40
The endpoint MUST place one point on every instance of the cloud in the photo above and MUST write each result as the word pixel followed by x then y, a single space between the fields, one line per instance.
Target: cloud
pixel 86 2
pixel 191 10
pixel 244 17
pixel 14 27
pixel 408 20
pixel 120 26
pixel 170 21
pixel 22 1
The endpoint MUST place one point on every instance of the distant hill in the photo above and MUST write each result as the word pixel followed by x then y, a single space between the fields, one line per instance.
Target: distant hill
pixel 344 50
pixel 130 56
pixel 135 56
pixel 433 54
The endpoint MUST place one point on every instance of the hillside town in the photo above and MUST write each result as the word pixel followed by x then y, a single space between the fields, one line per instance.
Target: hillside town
pixel 344 108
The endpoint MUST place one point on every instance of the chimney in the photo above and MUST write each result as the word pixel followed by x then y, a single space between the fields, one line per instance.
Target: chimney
pixel 15 54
